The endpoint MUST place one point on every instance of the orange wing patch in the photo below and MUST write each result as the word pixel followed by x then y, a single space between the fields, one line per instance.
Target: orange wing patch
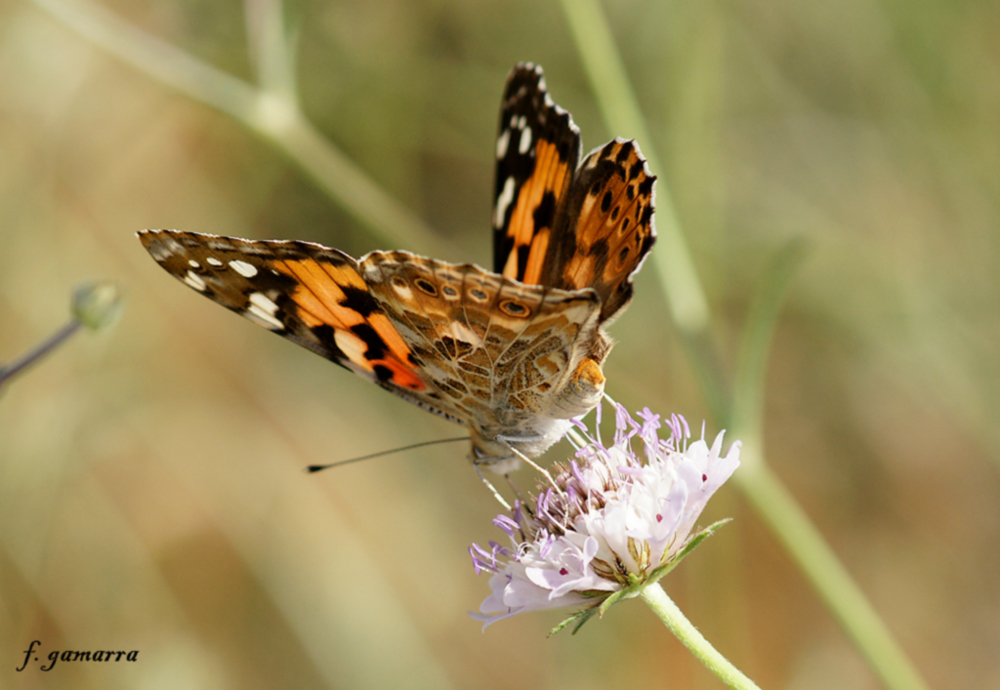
pixel 331 295
pixel 535 210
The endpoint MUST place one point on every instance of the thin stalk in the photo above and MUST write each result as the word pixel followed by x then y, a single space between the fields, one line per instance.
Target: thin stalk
pixel 664 607
pixel 828 576
pixel 690 311
pixel 32 356
pixel 620 109
pixel 272 114
pixel 271 47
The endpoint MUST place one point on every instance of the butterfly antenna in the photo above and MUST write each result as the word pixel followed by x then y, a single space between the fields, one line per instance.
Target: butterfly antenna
pixel 317 468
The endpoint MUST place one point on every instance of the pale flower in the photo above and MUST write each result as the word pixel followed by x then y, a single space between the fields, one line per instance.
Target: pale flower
pixel 616 520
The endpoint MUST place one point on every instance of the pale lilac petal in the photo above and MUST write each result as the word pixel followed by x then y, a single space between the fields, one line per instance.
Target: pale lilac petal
pixel 610 506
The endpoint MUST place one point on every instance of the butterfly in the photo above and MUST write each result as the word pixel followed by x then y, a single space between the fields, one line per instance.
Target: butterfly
pixel 514 353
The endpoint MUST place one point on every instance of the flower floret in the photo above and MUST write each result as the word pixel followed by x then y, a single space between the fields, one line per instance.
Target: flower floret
pixel 607 521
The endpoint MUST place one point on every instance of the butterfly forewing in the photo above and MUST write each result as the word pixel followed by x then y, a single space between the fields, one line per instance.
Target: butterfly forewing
pixel 305 292
pixel 538 148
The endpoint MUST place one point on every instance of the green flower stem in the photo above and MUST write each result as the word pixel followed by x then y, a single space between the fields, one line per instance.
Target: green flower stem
pixel 274 115
pixel 664 607
pixel 828 576
pixel 271 47
pixel 620 110
pixel 29 358
pixel 689 309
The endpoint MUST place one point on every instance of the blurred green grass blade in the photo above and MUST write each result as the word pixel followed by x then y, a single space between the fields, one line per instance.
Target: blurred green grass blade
pixel 272 115
pixel 778 507
pixel 689 308
pixel 828 576
pixel 746 418
pixel 620 110
pixel 272 47
pixel 155 57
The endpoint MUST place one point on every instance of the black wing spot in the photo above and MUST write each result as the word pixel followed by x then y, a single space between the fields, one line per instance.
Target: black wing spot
pixel 359 300
pixel 382 373
pixel 647 215
pixel 522 259
pixel 545 213
pixel 425 286
pixel 606 201
pixel 512 308
pixel 376 347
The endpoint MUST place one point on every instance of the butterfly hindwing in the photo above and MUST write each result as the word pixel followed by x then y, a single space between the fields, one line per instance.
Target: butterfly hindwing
pixel 490 345
pixel 606 231
pixel 538 148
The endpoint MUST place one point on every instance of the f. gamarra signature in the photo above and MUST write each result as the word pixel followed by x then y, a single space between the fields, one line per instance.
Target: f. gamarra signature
pixel 71 655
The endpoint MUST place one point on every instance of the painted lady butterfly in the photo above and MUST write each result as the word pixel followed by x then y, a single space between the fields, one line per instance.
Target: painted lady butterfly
pixel 511 354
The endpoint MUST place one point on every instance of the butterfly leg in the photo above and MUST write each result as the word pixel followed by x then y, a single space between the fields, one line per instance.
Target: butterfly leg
pixel 489 485
pixel 538 468
pixel 513 487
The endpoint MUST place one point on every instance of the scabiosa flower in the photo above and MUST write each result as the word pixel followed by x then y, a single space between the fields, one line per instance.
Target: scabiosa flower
pixel 612 521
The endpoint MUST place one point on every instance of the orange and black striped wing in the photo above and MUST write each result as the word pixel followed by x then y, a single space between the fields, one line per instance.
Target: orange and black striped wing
pixel 311 294
pixel 605 230
pixel 538 148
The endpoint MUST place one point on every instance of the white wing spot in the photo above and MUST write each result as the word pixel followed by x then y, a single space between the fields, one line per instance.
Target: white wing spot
pixel 243 268
pixel 352 346
pixel 212 261
pixel 195 281
pixel 521 122
pixel 404 291
pixel 503 201
pixel 459 331
pixel 193 264
pixel 525 143
pixel 502 142
pixel 262 310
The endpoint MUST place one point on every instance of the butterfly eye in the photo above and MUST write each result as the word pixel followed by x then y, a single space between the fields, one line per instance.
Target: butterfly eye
pixel 512 308
pixel 426 286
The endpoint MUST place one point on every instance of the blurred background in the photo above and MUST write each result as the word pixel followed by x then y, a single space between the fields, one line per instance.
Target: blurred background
pixel 151 487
